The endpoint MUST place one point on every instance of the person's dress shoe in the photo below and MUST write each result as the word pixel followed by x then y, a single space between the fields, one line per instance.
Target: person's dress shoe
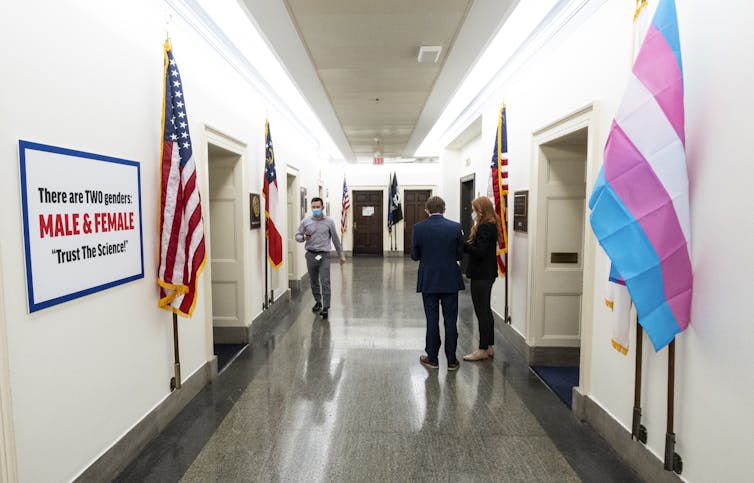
pixel 323 313
pixel 454 366
pixel 424 360
pixel 477 355
pixel 491 351
pixel 317 307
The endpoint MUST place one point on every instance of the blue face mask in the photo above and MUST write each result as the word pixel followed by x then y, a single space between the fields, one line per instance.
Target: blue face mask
pixel 316 212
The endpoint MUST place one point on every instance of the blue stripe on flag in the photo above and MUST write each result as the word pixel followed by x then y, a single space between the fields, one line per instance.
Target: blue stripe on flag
pixel 635 259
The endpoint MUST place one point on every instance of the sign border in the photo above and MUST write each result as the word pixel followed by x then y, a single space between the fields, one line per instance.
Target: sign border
pixel 23 146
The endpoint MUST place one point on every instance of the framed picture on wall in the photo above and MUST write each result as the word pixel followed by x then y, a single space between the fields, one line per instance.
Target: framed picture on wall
pixel 255 211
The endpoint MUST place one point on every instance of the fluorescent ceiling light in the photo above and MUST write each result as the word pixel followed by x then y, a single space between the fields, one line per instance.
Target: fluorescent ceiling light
pixel 235 24
pixel 516 29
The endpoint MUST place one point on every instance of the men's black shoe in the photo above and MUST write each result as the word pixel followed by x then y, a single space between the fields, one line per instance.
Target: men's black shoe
pixel 453 366
pixel 317 307
pixel 324 313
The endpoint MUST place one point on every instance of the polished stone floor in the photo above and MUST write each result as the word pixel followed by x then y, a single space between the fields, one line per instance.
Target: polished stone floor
pixel 345 399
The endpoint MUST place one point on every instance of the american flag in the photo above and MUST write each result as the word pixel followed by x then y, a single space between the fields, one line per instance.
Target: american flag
pixel 344 208
pixel 182 253
pixel 498 186
pixel 271 202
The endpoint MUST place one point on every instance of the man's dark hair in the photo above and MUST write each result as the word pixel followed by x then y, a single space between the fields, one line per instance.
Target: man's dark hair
pixel 317 198
pixel 435 204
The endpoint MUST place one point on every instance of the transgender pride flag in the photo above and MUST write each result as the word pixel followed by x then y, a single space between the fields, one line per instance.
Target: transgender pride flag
pixel 640 202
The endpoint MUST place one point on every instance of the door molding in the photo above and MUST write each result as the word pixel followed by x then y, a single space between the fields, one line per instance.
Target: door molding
pixel 585 117
pixel 8 470
pixel 211 135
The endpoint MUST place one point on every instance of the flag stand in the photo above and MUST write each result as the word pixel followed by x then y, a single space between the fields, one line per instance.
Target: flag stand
pixel 638 431
pixel 673 460
pixel 175 382
pixel 507 270
pixel 267 301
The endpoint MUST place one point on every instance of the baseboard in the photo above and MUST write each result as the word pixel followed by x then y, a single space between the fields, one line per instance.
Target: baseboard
pixel 511 335
pixel 240 335
pixel 537 356
pixel 636 455
pixel 554 356
pixel 275 310
pixel 120 455
pixel 296 286
pixel 230 335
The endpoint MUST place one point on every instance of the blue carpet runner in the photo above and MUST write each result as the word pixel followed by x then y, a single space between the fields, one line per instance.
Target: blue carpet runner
pixel 560 379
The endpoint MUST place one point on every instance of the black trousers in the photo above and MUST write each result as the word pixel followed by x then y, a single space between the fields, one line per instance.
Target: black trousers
pixel 481 292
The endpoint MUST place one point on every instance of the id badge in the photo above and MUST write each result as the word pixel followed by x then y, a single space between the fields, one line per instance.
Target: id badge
pixel 318 257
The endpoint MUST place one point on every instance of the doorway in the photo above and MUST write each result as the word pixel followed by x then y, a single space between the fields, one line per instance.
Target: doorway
pixel 292 205
pixel 226 255
pixel 467 196
pixel 367 223
pixel 413 212
pixel 559 246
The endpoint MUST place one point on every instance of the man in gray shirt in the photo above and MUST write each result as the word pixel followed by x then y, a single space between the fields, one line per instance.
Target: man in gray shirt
pixel 318 231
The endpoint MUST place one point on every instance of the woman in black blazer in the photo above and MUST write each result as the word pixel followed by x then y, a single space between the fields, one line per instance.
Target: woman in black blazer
pixel 482 270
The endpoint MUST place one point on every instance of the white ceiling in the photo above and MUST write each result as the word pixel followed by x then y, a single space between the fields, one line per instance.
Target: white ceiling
pixel 344 55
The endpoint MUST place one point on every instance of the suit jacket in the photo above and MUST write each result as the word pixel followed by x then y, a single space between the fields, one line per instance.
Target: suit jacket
pixel 438 246
pixel 482 263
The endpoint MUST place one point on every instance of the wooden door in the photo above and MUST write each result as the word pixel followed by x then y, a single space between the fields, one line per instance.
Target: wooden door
pixel 413 213
pixel 367 223
pixel 226 248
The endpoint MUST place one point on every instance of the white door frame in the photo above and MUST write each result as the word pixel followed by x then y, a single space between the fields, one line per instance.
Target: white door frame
pixel 579 119
pixel 220 139
pixel 293 263
pixel 8 471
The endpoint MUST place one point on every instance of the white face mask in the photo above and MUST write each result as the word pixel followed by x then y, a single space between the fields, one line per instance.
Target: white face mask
pixel 473 215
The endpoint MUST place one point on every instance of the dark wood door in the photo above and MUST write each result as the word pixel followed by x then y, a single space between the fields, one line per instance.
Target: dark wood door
pixel 467 196
pixel 413 213
pixel 367 223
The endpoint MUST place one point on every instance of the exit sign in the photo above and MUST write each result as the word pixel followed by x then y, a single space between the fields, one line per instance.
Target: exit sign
pixel 379 160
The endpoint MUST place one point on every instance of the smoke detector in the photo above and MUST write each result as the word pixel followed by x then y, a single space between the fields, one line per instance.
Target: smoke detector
pixel 429 54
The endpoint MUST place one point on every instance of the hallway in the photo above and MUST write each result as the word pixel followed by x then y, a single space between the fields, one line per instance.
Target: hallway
pixel 347 400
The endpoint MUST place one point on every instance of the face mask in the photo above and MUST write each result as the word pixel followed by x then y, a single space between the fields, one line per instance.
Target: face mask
pixel 473 216
pixel 316 212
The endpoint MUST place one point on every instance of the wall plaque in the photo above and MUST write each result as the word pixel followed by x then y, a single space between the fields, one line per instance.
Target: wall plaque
pixel 521 211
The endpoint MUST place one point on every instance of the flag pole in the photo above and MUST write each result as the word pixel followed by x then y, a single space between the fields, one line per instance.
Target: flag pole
pixel 265 305
pixel 507 267
pixel 175 382
pixel 638 431
pixel 673 460
pixel 507 271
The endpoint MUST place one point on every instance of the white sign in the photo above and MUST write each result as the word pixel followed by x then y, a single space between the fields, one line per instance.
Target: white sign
pixel 82 223
pixel 367 210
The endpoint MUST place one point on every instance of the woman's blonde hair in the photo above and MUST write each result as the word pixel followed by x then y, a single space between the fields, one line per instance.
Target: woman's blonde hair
pixel 485 214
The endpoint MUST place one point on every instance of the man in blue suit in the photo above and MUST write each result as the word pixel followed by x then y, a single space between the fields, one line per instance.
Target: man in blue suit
pixel 438 246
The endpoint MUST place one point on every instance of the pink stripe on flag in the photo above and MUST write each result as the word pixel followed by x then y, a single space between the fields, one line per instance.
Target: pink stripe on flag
pixel 637 185
pixel 657 68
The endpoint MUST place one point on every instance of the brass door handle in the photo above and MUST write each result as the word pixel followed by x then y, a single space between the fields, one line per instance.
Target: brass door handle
pixel 354 225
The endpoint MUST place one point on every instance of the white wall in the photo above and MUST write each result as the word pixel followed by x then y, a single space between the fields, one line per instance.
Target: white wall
pixel 88 76
pixel 714 386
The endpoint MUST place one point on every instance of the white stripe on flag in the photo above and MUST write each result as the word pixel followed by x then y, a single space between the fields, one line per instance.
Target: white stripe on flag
pixel 646 125
pixel 169 211
pixel 180 254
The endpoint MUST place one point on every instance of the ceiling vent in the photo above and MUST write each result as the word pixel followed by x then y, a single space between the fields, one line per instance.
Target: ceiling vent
pixel 429 54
